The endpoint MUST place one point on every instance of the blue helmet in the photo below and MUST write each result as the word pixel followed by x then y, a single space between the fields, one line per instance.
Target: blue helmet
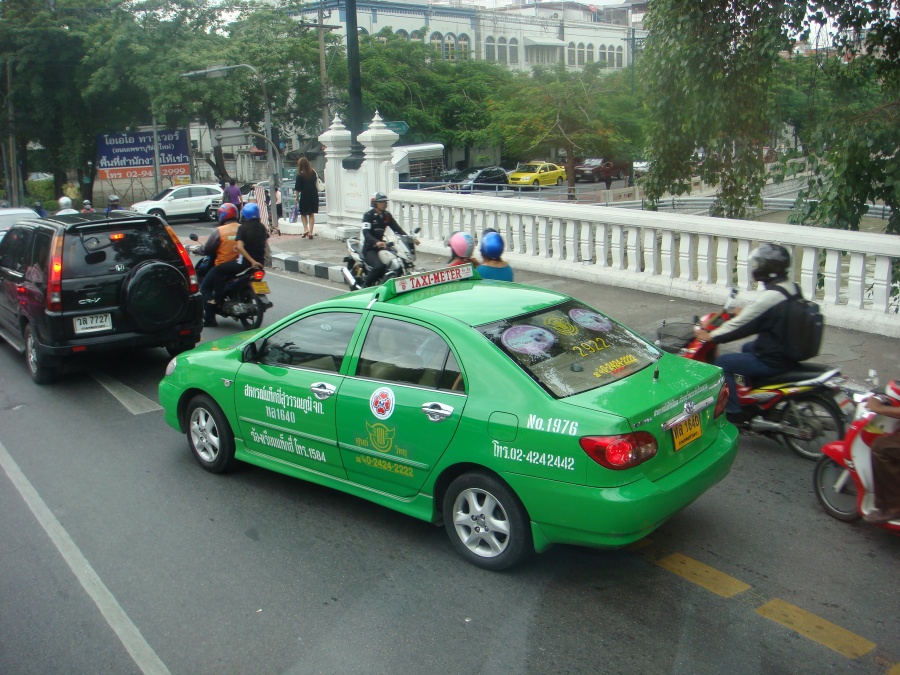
pixel 250 211
pixel 492 246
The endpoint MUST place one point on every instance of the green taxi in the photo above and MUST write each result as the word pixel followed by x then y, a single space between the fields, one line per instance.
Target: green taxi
pixel 516 416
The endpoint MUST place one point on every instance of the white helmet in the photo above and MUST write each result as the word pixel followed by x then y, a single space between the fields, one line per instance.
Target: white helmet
pixel 65 203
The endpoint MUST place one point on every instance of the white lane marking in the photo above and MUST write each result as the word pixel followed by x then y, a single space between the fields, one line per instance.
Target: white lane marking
pixel 141 652
pixel 135 403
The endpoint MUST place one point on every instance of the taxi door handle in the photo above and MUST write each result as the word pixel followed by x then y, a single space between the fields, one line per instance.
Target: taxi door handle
pixel 437 411
pixel 322 390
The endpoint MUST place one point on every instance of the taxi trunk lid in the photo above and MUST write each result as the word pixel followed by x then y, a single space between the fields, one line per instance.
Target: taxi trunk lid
pixel 668 406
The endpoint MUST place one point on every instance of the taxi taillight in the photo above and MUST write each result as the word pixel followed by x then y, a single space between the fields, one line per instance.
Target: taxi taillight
pixel 622 451
pixel 54 281
pixel 258 275
pixel 186 259
pixel 721 402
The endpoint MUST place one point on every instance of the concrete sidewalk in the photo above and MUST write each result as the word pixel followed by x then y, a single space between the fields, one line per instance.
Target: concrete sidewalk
pixel 854 352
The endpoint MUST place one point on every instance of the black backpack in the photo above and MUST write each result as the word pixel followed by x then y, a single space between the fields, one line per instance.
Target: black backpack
pixel 803 326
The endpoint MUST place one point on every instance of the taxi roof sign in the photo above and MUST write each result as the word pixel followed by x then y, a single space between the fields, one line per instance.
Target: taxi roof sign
pixel 425 279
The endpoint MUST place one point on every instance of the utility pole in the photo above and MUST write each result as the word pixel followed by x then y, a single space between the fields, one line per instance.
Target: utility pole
pixel 323 76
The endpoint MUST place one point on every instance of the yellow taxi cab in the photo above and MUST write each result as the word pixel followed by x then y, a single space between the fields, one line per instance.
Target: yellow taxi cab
pixel 537 174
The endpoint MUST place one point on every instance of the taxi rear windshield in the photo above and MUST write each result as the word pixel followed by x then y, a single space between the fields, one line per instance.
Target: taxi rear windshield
pixel 571 348
pixel 89 251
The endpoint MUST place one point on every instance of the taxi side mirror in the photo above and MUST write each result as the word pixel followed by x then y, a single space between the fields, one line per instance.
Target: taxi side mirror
pixel 250 353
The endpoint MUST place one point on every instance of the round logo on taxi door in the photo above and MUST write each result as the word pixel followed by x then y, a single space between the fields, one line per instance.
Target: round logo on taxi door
pixel 382 403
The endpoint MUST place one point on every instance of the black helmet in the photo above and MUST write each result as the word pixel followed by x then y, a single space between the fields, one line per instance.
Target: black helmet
pixel 769 262
pixel 379 197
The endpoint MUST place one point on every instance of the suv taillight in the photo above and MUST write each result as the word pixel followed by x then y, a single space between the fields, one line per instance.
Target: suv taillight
pixel 54 283
pixel 186 259
pixel 620 452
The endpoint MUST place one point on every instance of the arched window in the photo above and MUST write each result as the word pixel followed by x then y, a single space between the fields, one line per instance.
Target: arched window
pixel 489 51
pixel 403 34
pixel 601 56
pixel 513 50
pixel 590 52
pixel 610 57
pixel 437 41
pixel 450 47
pixel 416 35
pixel 580 53
pixel 618 57
pixel 501 50
pixel 462 47
pixel 571 53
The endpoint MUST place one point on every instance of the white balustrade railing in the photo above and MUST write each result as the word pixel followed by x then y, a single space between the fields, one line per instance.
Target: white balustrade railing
pixel 696 257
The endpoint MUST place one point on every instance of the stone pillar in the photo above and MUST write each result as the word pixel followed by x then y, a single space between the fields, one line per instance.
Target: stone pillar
pixel 337 146
pixel 377 141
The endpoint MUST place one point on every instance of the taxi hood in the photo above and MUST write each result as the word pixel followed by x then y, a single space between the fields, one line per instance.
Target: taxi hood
pixel 225 343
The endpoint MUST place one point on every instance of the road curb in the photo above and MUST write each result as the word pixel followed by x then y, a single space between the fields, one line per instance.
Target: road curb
pixel 308 266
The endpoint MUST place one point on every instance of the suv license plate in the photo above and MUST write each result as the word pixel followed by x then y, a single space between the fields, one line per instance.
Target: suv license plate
pixel 92 323
pixel 687 431
pixel 260 287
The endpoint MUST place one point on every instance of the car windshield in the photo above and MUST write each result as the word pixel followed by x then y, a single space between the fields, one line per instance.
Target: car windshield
pixel 162 195
pixel 528 168
pixel 571 348
pixel 593 162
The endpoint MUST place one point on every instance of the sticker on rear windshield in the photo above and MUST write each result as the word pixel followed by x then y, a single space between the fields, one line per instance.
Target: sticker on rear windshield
pixel 531 340
pixel 590 320
pixel 382 403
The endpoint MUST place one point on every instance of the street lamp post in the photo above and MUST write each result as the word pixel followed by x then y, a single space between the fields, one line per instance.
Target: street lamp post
pixel 219 71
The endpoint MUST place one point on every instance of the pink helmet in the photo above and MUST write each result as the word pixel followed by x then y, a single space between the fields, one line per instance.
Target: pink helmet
pixel 462 244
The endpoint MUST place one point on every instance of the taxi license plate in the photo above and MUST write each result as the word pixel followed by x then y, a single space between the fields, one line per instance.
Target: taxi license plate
pixel 687 431
pixel 92 323
pixel 260 287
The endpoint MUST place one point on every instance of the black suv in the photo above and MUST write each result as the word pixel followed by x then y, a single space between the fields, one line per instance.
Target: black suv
pixel 89 283
pixel 478 178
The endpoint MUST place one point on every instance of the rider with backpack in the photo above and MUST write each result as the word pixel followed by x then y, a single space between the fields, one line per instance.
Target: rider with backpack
pixel 788 329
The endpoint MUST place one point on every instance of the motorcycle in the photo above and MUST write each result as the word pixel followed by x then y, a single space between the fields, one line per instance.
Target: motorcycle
pixel 246 294
pixel 804 408
pixel 843 480
pixel 401 264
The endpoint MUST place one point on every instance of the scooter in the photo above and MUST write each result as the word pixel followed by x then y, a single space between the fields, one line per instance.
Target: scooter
pixel 402 263
pixel 842 479
pixel 246 294
pixel 804 408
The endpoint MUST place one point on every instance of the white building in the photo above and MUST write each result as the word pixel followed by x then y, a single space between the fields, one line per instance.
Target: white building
pixel 521 35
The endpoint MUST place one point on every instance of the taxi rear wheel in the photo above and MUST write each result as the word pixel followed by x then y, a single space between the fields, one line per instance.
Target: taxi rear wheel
pixel 209 435
pixel 486 522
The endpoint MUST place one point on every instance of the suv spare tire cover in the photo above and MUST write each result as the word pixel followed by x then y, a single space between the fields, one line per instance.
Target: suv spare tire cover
pixel 156 295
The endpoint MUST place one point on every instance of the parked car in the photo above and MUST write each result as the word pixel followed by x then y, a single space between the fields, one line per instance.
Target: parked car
pixel 87 283
pixel 11 216
pixel 515 416
pixel 182 201
pixel 478 178
pixel 538 173
pixel 597 169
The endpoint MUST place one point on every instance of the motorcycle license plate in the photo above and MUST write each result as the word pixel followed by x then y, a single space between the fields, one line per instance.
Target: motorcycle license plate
pixel 260 287
pixel 845 403
pixel 687 431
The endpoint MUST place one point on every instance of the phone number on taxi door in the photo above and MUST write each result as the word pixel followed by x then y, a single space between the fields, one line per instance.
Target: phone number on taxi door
pixel 533 457
pixel 386 465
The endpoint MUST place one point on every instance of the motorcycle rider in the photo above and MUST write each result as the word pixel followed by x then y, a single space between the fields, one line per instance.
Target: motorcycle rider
pixel 462 245
pixel 764 356
pixel 250 243
pixel 222 248
pixel 65 207
pixel 40 210
pixel 493 267
pixel 375 221
pixel 885 466
pixel 112 204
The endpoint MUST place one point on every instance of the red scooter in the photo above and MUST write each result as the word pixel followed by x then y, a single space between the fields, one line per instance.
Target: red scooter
pixel 843 477
pixel 804 408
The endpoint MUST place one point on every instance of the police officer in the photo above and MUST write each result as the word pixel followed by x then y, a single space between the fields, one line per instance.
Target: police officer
pixel 375 222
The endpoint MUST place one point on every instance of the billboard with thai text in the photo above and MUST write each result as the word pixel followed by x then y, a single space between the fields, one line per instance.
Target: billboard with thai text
pixel 130 155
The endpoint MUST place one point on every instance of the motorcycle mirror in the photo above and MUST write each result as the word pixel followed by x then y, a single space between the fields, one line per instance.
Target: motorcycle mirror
pixel 194 237
pixel 417 230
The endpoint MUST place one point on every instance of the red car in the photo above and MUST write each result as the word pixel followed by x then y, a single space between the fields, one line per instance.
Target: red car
pixel 597 169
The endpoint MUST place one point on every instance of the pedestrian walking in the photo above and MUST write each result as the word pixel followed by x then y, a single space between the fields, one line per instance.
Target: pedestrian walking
pixel 307 191
pixel 232 195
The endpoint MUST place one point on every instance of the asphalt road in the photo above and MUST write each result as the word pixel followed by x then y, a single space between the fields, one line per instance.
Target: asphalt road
pixel 171 568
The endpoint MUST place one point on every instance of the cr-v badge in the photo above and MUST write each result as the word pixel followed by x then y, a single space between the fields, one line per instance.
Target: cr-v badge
pixel 88 301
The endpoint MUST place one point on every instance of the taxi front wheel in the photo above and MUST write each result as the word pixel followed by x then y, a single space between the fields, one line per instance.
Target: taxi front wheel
pixel 486 522
pixel 209 435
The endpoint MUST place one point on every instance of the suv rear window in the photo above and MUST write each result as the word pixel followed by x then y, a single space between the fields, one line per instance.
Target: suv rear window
pixel 571 348
pixel 94 250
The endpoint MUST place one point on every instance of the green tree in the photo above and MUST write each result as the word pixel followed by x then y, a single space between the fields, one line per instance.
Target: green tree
pixel 707 68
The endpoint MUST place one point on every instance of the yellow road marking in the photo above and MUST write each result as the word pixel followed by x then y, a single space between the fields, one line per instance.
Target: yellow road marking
pixel 703 575
pixel 895 670
pixel 816 628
